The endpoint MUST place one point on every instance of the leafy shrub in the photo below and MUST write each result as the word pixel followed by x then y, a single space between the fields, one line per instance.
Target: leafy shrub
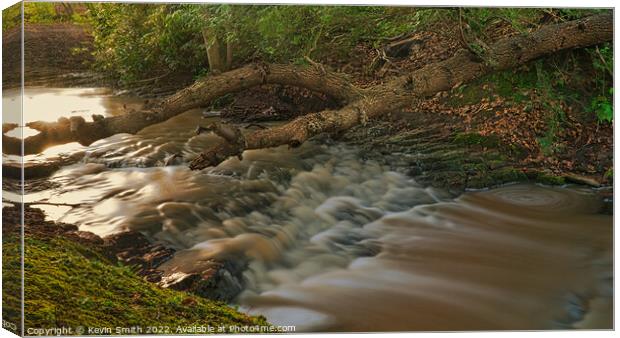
pixel 132 40
pixel 137 41
pixel 602 102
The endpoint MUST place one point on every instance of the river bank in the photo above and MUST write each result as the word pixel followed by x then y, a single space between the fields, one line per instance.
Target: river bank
pixel 507 124
pixel 280 227
pixel 75 278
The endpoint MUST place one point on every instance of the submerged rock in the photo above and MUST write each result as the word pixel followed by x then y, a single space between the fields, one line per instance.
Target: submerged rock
pixel 174 159
pixel 211 113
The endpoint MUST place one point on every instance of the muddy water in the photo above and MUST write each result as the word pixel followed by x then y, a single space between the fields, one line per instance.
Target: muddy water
pixel 340 243
pixel 49 104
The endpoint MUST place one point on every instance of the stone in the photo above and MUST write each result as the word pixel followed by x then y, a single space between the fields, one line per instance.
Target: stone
pixel 221 281
pixel 125 240
pixel 86 237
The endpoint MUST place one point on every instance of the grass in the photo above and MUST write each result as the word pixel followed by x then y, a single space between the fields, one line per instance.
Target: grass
pixel 69 284
pixel 11 282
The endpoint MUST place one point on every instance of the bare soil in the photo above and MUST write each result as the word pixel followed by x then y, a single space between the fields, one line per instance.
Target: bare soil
pixel 54 54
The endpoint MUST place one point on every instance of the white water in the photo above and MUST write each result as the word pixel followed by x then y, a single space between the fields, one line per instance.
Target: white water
pixel 341 243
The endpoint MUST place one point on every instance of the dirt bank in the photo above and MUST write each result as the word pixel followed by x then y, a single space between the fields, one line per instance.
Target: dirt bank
pixel 54 54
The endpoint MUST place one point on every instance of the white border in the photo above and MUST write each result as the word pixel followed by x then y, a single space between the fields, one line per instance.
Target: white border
pixel 450 3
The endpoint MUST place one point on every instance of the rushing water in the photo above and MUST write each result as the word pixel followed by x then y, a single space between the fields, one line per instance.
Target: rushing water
pixel 336 242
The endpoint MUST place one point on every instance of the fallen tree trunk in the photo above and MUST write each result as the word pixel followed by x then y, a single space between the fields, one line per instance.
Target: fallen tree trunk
pixel 359 105
pixel 462 67
pixel 199 94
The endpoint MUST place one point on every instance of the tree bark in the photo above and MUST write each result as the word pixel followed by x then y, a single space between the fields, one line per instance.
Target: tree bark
pixel 199 94
pixel 464 66
pixel 358 105
pixel 214 50
pixel 229 54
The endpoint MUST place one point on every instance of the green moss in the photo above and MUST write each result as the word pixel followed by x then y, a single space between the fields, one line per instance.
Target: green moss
pixel 491 178
pixel 507 174
pixel 467 94
pixel 490 141
pixel 550 179
pixel 477 167
pixel 495 163
pixel 11 281
pixel 68 284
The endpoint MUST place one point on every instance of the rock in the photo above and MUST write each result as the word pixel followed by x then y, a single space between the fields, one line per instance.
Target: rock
pixel 173 159
pixel 152 275
pixel 132 259
pixel 156 256
pixel 68 227
pixel 582 180
pixel 180 281
pixel 129 247
pixel 221 281
pixel 125 240
pixel 134 248
pixel 85 237
pixel 211 113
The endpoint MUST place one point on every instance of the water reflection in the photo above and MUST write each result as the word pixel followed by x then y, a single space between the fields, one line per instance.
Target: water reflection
pixel 49 104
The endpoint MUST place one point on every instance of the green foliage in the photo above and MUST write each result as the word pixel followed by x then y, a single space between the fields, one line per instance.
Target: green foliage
pixel 581 79
pixel 559 78
pixel 11 278
pixel 609 174
pixel 41 13
pixel 289 33
pixel 601 103
pixel 69 284
pixel 551 101
pixel 603 107
pixel 550 179
pixel 132 40
pixel 478 19
pixel 135 41
pixel 11 17
pixel 141 41
pixel 490 141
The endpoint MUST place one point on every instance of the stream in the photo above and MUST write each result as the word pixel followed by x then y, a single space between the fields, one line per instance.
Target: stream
pixel 335 241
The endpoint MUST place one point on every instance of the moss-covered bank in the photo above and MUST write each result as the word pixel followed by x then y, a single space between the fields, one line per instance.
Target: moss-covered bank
pixel 71 284
pixel 436 151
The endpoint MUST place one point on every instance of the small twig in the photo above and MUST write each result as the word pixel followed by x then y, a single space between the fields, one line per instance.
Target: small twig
pixel 388 62
pixel 550 12
pixel 55 204
pixel 317 65
pixel 604 62
pixel 254 125
pixel 150 79
pixel 463 39
pixel 482 44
